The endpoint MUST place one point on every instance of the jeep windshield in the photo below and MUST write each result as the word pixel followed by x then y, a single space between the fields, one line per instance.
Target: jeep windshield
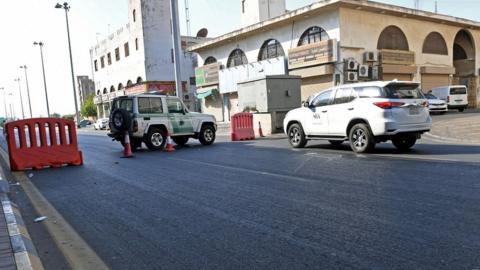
pixel 123 103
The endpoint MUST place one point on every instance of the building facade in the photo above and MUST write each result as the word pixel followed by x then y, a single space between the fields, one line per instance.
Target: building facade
pixel 140 53
pixel 341 41
pixel 86 87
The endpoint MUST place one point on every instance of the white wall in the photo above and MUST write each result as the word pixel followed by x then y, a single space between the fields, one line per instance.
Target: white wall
pixel 260 10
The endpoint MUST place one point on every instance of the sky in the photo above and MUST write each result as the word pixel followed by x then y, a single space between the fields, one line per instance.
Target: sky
pixel 26 21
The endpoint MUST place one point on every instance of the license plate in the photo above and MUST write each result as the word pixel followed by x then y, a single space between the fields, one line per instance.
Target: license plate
pixel 414 110
pixel 458 100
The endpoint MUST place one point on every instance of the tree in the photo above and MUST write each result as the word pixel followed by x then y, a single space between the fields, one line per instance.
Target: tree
pixel 55 115
pixel 89 109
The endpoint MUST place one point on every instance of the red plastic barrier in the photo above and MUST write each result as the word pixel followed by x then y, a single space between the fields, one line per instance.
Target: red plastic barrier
pixel 42 142
pixel 242 127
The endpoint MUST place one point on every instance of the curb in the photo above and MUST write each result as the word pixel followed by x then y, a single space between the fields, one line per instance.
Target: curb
pixel 453 140
pixel 24 252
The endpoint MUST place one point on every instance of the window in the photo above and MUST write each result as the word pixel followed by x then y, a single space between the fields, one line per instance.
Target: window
pixel 323 99
pixel 172 56
pixel 270 49
pixel 150 105
pixel 458 91
pixel 243 6
pixel 193 81
pixel 369 92
pixel 136 44
pixel 109 58
pixel 435 44
pixel 112 89
pixel 313 35
pixel 124 103
pixel 134 15
pixel 117 54
pixel 139 80
pixel 237 58
pixel 392 38
pixel 403 91
pixel 127 49
pixel 102 61
pixel 95 63
pixel 175 106
pixel 344 95
pixel 210 60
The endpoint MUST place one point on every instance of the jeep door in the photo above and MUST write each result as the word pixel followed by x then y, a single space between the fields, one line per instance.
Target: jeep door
pixel 150 111
pixel 341 111
pixel 180 119
pixel 317 114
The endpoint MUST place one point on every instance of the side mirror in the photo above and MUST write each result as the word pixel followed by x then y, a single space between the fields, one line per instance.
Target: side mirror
pixel 305 104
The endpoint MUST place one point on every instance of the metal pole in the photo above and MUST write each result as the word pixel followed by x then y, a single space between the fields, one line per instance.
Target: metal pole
pixel 12 114
pixel 176 46
pixel 21 97
pixel 28 90
pixel 4 102
pixel 67 8
pixel 40 44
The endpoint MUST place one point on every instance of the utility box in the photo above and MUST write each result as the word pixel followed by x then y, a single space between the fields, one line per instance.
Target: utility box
pixel 270 94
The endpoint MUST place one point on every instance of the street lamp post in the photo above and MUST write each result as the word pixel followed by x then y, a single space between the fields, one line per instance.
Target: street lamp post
pixel 4 101
pixel 12 114
pixel 21 97
pixel 24 67
pixel 40 44
pixel 66 7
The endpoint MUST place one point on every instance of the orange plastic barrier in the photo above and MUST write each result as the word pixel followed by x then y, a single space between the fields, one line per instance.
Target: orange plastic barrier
pixel 242 127
pixel 42 142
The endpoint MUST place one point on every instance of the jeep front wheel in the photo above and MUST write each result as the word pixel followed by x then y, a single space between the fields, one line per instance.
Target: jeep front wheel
pixel 156 139
pixel 207 135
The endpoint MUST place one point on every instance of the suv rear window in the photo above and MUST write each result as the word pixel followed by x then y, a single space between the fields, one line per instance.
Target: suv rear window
pixel 149 105
pixel 458 91
pixel 369 92
pixel 123 103
pixel 403 91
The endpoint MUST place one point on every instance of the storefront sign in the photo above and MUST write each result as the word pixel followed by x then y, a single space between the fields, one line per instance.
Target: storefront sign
pixel 313 54
pixel 207 75
pixel 97 100
pixel 395 57
pixel 167 88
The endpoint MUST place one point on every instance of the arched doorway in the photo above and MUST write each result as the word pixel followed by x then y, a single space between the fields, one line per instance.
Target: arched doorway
pixel 464 62
pixel 393 42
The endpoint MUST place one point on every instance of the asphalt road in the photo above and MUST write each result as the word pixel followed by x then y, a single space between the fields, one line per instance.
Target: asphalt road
pixel 262 205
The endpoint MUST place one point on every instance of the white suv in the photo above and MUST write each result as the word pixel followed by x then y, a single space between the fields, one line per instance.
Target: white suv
pixel 362 113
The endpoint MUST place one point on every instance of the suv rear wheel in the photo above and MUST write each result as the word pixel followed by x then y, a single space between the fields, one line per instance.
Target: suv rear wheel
pixel 361 139
pixel 403 143
pixel 156 139
pixel 296 136
pixel 207 135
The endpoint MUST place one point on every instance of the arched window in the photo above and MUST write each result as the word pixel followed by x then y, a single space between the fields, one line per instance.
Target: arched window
pixel 134 15
pixel 99 92
pixel 129 83
pixel 313 35
pixel 139 80
pixel 136 44
pixel 270 49
pixel 210 60
pixel 105 90
pixel 237 58
pixel 435 44
pixel 392 38
pixel 112 89
pixel 120 86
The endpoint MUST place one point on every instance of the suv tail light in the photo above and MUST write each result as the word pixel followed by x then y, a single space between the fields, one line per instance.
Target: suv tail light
pixel 388 104
pixel 135 126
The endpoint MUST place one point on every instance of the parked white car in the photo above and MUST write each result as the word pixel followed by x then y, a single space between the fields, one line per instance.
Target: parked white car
pixel 436 104
pixel 455 96
pixel 362 113
pixel 101 124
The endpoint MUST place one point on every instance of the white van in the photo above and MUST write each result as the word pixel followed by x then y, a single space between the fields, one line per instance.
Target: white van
pixel 455 96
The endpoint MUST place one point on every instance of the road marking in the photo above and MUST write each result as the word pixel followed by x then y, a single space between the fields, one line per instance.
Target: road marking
pixel 78 254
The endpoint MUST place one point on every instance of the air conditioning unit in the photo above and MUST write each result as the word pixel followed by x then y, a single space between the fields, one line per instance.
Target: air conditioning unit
pixel 370 57
pixel 363 71
pixel 352 64
pixel 351 76
pixel 376 73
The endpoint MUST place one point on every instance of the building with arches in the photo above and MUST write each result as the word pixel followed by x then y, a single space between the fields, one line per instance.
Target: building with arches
pixel 141 53
pixel 339 42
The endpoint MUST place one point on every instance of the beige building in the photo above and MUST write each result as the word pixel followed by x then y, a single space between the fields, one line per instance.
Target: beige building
pixel 341 41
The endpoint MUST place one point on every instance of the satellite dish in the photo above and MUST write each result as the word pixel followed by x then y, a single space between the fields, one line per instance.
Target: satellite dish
pixel 202 33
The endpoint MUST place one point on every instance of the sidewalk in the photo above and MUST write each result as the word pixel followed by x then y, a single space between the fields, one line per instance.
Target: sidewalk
pixel 7 258
pixel 457 127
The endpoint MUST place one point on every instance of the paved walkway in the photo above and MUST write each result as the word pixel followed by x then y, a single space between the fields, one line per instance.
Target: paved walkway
pixel 457 127
pixel 7 259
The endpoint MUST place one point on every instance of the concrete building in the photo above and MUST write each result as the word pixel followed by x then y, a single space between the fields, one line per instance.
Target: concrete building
pixel 335 42
pixel 86 87
pixel 142 53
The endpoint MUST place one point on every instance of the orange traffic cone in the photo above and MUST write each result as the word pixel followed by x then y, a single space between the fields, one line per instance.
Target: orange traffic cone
pixel 127 148
pixel 169 147
pixel 260 131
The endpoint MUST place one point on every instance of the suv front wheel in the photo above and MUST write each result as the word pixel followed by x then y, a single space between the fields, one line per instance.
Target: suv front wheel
pixel 296 136
pixel 361 139
pixel 207 135
pixel 156 139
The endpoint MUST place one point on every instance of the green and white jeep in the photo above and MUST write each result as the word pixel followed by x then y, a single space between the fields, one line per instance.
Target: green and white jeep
pixel 149 118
